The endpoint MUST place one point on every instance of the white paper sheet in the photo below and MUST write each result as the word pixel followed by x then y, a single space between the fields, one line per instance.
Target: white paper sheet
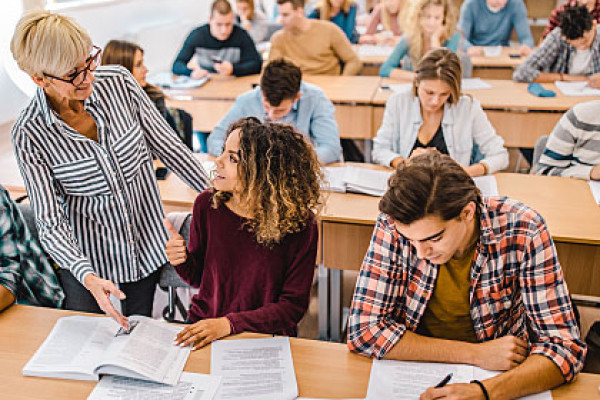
pixel 487 184
pixel 366 181
pixel 334 179
pixel 405 380
pixel 398 87
pixel 191 386
pixel 577 89
pixel 165 80
pixel 373 50
pixel 474 84
pixel 595 187
pixel 254 369
pixel 492 51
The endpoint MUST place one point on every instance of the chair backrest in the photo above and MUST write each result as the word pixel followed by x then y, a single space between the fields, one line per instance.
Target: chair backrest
pixel 538 150
pixel 168 275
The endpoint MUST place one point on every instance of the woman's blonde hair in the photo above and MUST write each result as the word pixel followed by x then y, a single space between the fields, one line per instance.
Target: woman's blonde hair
pixel 325 8
pixel 414 30
pixel 442 64
pixel 49 43
pixel 251 6
pixel 386 17
pixel 280 179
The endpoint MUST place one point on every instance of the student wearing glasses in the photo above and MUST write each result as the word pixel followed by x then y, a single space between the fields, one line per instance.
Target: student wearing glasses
pixel 84 146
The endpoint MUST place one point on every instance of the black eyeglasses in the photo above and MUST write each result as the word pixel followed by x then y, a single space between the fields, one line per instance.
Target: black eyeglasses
pixel 78 77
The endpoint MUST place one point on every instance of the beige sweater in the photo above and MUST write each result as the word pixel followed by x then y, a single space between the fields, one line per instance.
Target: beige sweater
pixel 318 50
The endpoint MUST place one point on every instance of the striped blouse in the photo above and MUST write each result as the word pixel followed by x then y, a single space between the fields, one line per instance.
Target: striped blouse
pixel 97 204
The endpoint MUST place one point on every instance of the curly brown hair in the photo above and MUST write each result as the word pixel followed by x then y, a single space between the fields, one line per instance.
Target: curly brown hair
pixel 280 178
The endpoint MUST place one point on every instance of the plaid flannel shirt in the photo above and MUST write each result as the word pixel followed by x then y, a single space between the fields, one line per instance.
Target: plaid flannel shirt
pixel 554 18
pixel 554 55
pixel 24 268
pixel 517 288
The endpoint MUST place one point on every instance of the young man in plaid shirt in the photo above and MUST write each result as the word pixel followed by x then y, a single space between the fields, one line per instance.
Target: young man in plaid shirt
pixel 26 274
pixel 453 277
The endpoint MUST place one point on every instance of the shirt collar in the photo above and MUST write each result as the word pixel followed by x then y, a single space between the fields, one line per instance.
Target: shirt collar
pixel 486 228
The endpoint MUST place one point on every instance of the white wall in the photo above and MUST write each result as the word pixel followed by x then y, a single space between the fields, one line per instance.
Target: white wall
pixel 159 26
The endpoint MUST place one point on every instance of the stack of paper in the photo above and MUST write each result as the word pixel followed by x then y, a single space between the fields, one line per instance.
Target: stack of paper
pixel 356 179
pixel 492 51
pixel 576 89
pixel 373 50
pixel 595 188
pixel 165 80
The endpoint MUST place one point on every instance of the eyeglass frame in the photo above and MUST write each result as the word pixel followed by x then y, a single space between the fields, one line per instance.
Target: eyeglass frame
pixel 84 70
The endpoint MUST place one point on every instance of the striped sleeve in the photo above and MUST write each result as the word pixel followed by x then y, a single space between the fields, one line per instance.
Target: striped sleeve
pixel 372 327
pixel 540 60
pixel 163 141
pixel 55 231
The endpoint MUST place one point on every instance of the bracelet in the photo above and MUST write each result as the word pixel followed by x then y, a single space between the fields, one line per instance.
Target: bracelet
pixel 483 389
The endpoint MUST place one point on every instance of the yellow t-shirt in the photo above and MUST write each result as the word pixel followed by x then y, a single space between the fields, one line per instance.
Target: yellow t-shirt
pixel 447 315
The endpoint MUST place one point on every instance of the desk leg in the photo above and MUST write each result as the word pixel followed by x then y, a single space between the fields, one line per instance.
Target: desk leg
pixel 323 303
pixel 368 150
pixel 336 305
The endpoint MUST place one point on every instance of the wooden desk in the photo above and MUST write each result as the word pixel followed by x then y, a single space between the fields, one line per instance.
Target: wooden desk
pixel 351 96
pixel 323 369
pixel 518 116
pixel 501 67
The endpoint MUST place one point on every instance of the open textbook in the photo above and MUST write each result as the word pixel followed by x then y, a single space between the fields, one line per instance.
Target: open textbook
pixel 373 182
pixel 82 348
pixel 191 386
pixel 254 369
pixel 406 380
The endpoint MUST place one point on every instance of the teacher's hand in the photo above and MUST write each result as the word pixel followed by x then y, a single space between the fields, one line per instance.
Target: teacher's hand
pixel 101 289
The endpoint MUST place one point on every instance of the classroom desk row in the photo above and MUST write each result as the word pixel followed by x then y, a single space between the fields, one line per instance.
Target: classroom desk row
pixel 347 221
pixel 323 369
pixel 519 117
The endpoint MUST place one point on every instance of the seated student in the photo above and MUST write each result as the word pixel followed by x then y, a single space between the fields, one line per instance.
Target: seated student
pixel 570 52
pixel 340 12
pixel 388 14
pixel 283 97
pixel 452 277
pixel 26 274
pixel 573 148
pixel 252 20
pixel 593 7
pixel 430 24
pixel 490 23
pixel 219 46
pixel 433 115
pixel 317 47
pixel 253 238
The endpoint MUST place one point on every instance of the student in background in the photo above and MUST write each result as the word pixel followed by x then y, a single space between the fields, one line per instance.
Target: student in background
pixel 283 97
pixel 317 47
pixel 388 14
pixel 252 20
pixel 26 274
pixel 573 148
pixel 593 7
pixel 218 47
pixel 490 23
pixel 429 24
pixel 340 12
pixel 253 238
pixel 84 145
pixel 454 277
pixel 434 116
pixel 570 52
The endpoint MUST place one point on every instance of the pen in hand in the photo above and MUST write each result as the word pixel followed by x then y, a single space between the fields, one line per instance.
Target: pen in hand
pixel 444 381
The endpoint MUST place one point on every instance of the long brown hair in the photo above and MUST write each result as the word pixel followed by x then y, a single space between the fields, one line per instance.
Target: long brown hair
pixel 325 8
pixel 250 6
pixel 120 52
pixel 280 178
pixel 442 64
pixel 429 184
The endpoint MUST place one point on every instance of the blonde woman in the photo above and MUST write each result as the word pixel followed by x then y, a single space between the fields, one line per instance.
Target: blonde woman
pixel 429 24
pixel 84 146
pixel 388 14
pixel 434 116
pixel 252 20
pixel 340 12
pixel 253 238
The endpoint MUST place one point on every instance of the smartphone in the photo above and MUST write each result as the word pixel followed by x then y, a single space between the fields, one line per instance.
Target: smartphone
pixel 216 60
pixel 514 55
pixel 161 173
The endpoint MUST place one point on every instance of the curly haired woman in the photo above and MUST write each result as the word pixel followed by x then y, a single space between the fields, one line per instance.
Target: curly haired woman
pixel 253 239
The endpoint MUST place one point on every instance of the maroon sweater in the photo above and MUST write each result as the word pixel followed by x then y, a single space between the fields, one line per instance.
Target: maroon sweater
pixel 259 289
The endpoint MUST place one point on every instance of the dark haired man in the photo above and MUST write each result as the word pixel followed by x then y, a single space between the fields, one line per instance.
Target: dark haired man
pixel 283 97
pixel 452 277
pixel 317 47
pixel 218 47
pixel 570 52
